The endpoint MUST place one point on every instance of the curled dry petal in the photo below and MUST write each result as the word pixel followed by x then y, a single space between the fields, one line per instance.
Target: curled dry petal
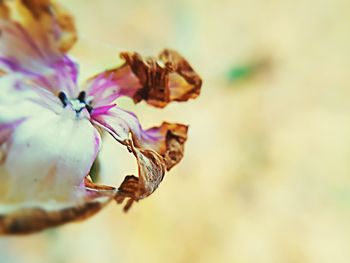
pixel 158 81
pixel 4 11
pixel 34 36
pixel 29 220
pixel 168 141
pixel 151 173
pixel 53 19
pixel 164 79
pixel 46 21
pixel 33 219
pixel 154 156
pixel 156 150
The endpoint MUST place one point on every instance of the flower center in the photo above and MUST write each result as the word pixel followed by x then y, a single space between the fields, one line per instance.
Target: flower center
pixel 77 104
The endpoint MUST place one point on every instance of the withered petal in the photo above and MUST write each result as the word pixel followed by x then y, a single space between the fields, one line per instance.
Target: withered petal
pixel 68 32
pixel 170 142
pixel 46 17
pixel 4 11
pixel 30 220
pixel 35 219
pixel 157 149
pixel 35 34
pixel 100 189
pixel 156 80
pixel 164 79
pixel 151 168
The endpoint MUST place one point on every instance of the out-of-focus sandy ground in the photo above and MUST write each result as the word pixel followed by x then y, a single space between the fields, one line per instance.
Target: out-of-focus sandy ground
pixel 266 174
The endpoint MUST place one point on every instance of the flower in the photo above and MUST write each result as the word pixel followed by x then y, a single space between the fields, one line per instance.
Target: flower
pixel 50 128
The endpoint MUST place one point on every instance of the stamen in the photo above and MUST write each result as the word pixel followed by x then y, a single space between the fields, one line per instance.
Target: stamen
pixel 89 108
pixel 82 96
pixel 77 104
pixel 63 98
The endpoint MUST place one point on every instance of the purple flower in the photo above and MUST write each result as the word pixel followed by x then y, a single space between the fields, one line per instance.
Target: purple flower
pixel 50 125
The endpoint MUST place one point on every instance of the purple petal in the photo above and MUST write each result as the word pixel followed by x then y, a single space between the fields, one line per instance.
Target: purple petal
pixel 37 59
pixel 101 110
pixel 6 130
pixel 106 87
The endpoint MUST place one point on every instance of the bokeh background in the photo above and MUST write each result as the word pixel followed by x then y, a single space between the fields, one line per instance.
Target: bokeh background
pixel 266 173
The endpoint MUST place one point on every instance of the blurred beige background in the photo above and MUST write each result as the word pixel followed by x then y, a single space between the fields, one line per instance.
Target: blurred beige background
pixel 266 173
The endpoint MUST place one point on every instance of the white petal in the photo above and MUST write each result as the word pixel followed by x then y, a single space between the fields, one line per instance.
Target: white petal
pixel 19 97
pixel 48 157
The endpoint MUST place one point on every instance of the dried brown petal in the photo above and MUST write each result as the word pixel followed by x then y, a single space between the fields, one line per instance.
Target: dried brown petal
pixel 158 81
pixel 156 150
pixel 68 33
pixel 100 189
pixel 44 17
pixel 151 173
pixel 29 220
pixel 4 11
pixel 170 144
pixel 37 7
pixel 164 79
pixel 153 159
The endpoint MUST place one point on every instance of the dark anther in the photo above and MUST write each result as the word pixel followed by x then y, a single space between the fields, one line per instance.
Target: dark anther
pixel 63 97
pixel 89 108
pixel 82 96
